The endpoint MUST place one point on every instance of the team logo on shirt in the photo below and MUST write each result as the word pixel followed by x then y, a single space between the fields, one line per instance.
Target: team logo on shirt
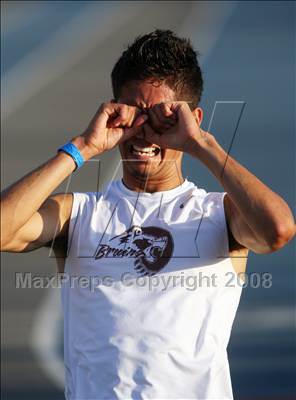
pixel 150 246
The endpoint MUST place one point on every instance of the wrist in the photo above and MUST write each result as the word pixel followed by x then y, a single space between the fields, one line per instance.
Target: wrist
pixel 72 151
pixel 201 145
pixel 86 149
pixel 209 152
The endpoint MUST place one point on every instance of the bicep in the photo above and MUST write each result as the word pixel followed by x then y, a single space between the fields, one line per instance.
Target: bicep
pixel 49 222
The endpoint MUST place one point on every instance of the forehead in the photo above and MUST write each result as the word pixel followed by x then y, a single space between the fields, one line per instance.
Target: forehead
pixel 145 94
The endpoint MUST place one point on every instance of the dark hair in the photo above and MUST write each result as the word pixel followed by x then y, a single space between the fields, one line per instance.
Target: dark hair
pixel 163 56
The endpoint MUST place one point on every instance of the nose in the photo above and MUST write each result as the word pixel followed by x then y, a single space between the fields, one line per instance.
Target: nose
pixel 140 134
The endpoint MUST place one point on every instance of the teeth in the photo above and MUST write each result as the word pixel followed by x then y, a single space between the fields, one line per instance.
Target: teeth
pixel 144 149
pixel 142 153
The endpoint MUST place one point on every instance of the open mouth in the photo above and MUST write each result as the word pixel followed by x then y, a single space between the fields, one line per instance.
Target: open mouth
pixel 144 152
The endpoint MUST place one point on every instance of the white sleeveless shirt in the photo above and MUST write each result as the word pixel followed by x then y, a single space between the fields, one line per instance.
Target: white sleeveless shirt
pixel 149 295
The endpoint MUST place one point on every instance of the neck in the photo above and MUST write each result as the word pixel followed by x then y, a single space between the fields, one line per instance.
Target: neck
pixel 150 184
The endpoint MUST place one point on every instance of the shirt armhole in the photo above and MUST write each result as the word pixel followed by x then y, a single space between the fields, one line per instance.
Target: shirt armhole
pixel 224 225
pixel 214 205
pixel 83 203
pixel 77 205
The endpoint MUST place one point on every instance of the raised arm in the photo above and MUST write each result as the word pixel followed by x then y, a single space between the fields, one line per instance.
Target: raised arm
pixel 259 219
pixel 30 216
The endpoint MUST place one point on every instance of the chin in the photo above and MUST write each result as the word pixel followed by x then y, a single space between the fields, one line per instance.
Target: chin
pixel 142 169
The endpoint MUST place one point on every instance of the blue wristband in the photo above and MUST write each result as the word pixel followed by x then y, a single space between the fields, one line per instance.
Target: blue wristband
pixel 72 151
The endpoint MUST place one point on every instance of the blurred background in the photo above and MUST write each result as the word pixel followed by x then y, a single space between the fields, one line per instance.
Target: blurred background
pixel 56 59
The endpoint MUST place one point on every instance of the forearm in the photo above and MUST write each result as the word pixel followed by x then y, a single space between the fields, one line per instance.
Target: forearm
pixel 22 199
pixel 265 212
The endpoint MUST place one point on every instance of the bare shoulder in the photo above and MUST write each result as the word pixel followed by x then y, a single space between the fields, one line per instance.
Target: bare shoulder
pixel 61 202
pixel 57 210
pixel 49 223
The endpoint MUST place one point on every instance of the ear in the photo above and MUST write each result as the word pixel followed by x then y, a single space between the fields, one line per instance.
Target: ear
pixel 198 115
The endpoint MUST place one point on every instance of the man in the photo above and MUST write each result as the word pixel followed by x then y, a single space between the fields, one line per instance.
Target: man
pixel 159 337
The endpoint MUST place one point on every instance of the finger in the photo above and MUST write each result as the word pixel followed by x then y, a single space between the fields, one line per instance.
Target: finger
pixel 134 113
pixel 129 132
pixel 140 120
pixel 109 112
pixel 168 109
pixel 164 115
pixel 179 105
pixel 125 115
pixel 185 115
pixel 112 116
pixel 154 121
pixel 100 118
pixel 150 135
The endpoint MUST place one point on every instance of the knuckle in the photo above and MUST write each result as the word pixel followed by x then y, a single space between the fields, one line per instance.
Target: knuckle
pixel 166 110
pixel 105 107
pixel 100 109
pixel 122 106
pixel 132 111
pixel 122 112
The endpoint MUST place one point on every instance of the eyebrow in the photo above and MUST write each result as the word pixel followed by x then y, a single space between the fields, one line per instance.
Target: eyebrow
pixel 129 102
pixel 145 108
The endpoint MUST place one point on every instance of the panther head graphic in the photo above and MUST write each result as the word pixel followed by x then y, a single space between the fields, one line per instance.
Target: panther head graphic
pixel 154 247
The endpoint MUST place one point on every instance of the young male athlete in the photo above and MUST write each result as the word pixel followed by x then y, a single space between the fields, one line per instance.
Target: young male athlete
pixel 155 248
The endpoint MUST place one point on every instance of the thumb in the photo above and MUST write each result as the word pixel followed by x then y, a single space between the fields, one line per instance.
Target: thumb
pixel 129 132
pixel 185 116
pixel 139 121
pixel 99 121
